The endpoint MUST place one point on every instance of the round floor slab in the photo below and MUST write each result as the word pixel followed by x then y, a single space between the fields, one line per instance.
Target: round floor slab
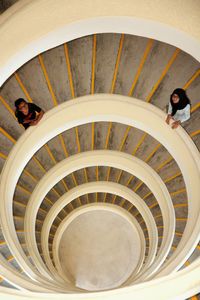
pixel 99 250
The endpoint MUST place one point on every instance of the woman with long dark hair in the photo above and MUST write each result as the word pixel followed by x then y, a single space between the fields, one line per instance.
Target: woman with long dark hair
pixel 179 108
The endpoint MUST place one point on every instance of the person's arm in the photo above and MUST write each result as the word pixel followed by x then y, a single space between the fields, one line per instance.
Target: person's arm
pixel 183 118
pixel 169 116
pixel 175 124
pixel 27 121
pixel 38 118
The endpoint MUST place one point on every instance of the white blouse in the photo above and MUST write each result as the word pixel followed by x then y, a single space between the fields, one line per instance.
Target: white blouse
pixel 181 114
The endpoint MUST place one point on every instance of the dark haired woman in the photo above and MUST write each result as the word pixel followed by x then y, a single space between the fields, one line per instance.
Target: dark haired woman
pixel 27 114
pixel 179 108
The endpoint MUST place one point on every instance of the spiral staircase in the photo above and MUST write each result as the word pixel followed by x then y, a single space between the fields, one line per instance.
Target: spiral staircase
pixel 101 198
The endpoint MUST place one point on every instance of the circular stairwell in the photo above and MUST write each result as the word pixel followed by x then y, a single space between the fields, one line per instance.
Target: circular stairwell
pixel 102 150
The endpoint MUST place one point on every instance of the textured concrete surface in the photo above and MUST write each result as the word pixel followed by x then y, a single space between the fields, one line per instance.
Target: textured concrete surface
pixel 99 250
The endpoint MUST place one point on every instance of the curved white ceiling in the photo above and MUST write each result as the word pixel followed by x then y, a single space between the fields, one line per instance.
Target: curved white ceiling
pixel 158 21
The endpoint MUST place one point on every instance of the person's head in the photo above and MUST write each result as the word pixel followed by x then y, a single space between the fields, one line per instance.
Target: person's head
pixel 175 98
pixel 22 106
pixel 179 100
pixel 178 95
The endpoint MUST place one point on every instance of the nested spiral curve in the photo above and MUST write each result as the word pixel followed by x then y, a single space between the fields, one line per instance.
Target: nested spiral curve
pixel 170 262
pixel 89 109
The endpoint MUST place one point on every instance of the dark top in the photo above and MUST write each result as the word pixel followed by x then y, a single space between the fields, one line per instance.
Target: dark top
pixel 32 109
